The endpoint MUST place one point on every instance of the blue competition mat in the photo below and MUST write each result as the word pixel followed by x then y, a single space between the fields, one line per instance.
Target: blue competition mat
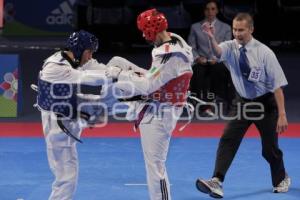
pixel 113 169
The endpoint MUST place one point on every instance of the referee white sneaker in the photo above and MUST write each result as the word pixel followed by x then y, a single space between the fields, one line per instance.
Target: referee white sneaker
pixel 283 186
pixel 213 187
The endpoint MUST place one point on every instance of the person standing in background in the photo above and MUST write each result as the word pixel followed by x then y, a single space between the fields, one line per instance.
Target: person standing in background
pixel 210 78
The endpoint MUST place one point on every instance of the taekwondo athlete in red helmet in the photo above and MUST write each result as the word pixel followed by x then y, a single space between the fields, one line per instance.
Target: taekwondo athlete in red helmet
pixel 164 91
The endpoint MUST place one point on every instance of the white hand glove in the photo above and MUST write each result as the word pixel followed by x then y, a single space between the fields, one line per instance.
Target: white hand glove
pixel 125 65
pixel 93 64
pixel 120 62
pixel 113 72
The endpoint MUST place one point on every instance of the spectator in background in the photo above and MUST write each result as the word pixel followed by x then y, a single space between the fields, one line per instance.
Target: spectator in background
pixel 210 79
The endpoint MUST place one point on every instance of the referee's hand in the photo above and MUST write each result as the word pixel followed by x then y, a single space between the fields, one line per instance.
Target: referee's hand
pixel 282 124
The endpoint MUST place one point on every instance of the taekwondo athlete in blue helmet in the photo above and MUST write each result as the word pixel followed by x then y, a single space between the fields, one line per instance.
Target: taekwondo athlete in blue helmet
pixel 58 99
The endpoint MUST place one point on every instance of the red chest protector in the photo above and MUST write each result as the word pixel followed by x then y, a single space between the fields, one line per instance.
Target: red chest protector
pixel 175 91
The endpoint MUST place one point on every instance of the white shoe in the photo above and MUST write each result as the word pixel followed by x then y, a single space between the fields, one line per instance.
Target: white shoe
pixel 283 186
pixel 213 187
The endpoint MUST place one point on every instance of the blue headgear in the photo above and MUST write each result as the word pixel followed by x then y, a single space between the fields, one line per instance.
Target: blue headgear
pixel 80 41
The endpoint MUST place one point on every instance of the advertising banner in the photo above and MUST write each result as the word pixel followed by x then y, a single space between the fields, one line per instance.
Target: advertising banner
pixel 38 17
pixel 8 85
pixel 1 14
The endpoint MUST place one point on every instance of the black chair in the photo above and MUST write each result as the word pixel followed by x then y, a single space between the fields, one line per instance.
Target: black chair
pixel 230 8
pixel 195 9
pixel 136 7
pixel 289 11
pixel 179 20
pixel 110 20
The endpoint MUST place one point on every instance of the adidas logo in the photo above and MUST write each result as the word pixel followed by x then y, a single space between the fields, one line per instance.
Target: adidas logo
pixel 61 15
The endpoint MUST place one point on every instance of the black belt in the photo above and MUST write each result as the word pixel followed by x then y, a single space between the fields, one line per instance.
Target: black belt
pixel 66 131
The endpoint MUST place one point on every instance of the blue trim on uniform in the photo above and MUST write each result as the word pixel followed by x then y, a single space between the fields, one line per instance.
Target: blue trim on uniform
pixel 58 97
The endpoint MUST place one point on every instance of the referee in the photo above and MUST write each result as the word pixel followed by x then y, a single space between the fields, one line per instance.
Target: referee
pixel 258 79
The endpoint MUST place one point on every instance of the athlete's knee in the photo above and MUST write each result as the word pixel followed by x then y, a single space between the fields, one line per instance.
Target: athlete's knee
pixel 67 174
pixel 59 140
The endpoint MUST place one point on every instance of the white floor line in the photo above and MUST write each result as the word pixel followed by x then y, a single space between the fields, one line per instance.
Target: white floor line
pixel 137 184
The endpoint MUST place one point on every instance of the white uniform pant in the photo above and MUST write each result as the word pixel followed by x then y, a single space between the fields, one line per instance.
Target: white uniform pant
pixel 155 138
pixel 63 162
pixel 62 157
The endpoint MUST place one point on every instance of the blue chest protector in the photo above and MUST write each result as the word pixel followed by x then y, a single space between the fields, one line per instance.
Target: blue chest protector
pixel 62 99
pixel 59 98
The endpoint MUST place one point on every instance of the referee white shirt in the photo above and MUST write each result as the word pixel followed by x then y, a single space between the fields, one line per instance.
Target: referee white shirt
pixel 262 62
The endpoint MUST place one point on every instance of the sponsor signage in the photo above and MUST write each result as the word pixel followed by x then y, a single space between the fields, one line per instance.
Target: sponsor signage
pixel 1 14
pixel 53 17
pixel 9 85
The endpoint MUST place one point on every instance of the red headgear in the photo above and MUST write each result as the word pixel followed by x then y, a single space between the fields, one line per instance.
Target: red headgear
pixel 151 22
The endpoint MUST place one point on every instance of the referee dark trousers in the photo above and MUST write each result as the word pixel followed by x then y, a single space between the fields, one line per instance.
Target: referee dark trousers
pixel 236 129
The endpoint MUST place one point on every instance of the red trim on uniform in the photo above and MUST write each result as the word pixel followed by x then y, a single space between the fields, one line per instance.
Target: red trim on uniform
pixel 174 91
pixel 201 130
pixel 167 48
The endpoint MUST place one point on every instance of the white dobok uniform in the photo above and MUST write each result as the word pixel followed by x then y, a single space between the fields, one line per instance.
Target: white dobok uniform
pixel 61 149
pixel 165 84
